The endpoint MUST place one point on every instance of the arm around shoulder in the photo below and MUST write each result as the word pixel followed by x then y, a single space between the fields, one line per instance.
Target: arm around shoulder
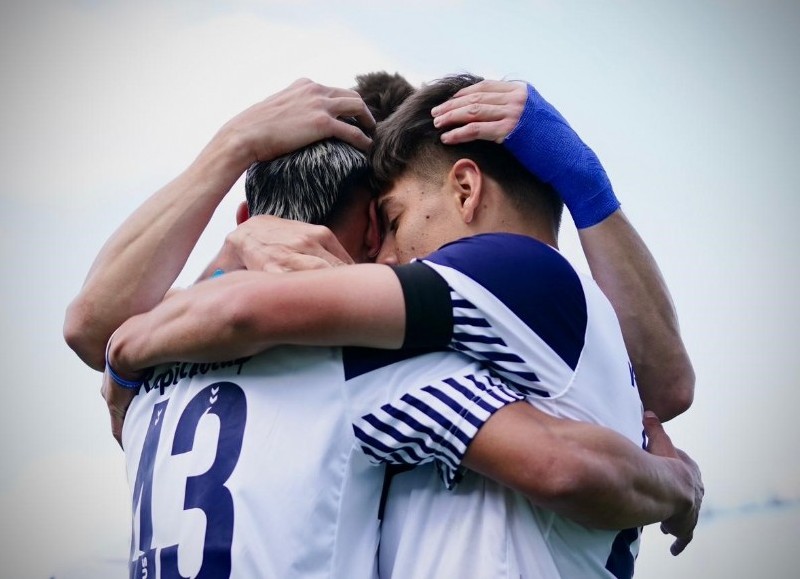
pixel 245 312
pixel 581 471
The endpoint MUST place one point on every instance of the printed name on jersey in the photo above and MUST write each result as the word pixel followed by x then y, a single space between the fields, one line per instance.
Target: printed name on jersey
pixel 164 376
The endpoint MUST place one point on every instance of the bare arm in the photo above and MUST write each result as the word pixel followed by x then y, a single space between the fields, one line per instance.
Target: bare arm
pixel 143 257
pixel 589 473
pixel 628 274
pixel 246 312
pixel 619 259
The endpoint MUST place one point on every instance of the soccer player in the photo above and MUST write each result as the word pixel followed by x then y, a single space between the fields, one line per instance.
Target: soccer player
pixel 539 320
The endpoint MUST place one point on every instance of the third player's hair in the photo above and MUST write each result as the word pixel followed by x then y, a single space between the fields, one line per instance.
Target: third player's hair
pixel 382 92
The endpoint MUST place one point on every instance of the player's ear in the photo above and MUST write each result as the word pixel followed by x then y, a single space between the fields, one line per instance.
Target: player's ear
pixel 373 237
pixel 466 182
pixel 242 213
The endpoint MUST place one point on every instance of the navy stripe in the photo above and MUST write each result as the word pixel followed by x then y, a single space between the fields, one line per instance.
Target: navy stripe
pixel 528 389
pixel 478 338
pixel 460 302
pixel 435 415
pixel 500 356
pixel 455 407
pixel 398 436
pixel 403 416
pixel 474 322
pixel 502 369
pixel 358 361
pixel 531 279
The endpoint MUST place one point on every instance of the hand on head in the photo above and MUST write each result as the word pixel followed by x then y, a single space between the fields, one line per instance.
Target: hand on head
pixel 301 114
pixel 488 110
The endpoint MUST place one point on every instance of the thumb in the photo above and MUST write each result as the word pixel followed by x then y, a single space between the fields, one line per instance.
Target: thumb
pixel 658 441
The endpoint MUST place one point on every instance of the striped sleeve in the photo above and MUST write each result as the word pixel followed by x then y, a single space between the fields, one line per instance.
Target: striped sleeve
pixel 435 422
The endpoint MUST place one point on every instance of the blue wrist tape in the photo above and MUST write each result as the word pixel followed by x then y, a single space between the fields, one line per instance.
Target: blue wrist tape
pixel 549 148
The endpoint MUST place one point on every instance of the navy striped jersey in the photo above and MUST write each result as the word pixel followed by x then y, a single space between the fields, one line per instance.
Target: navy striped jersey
pixel 518 307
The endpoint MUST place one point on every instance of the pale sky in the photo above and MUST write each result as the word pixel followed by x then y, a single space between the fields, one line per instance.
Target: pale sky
pixel 690 105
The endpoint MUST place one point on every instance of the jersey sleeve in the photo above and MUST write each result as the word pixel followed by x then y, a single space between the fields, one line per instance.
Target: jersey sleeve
pixel 434 422
pixel 515 305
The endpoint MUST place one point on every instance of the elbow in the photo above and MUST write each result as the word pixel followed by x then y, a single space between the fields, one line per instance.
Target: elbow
pixel 78 336
pixel 681 395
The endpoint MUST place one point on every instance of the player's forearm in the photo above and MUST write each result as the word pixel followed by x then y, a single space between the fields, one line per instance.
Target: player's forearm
pixel 245 312
pixel 615 484
pixel 190 326
pixel 627 273
pixel 142 259
pixel 582 471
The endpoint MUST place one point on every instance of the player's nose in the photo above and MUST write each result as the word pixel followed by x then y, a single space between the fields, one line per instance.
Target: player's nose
pixel 387 254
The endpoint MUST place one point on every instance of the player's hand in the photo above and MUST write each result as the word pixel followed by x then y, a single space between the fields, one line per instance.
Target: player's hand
pixel 681 525
pixel 488 110
pixel 301 114
pixel 274 245
pixel 117 400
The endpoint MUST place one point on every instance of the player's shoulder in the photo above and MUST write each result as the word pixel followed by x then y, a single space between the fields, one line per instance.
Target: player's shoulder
pixel 490 254
pixel 514 268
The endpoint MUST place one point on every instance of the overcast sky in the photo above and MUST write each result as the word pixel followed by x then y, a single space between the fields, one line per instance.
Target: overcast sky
pixel 691 106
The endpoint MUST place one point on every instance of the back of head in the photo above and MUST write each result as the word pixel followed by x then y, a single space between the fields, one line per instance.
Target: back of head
pixel 409 142
pixel 382 92
pixel 311 184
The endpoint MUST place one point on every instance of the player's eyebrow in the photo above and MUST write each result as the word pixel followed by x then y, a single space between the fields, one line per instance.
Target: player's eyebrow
pixel 386 202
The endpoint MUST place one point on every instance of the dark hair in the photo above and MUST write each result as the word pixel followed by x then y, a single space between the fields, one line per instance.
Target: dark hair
pixel 408 141
pixel 382 92
pixel 311 184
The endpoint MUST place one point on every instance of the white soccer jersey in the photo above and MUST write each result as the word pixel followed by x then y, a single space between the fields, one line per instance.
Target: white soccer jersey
pixel 516 305
pixel 250 468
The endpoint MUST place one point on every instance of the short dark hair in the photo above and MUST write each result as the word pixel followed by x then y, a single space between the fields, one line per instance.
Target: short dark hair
pixel 382 92
pixel 312 184
pixel 408 141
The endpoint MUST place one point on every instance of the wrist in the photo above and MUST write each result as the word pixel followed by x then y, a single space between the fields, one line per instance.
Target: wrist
pixel 122 374
pixel 229 154
pixel 547 146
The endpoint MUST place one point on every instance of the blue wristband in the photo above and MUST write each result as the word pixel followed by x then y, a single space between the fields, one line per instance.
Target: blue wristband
pixel 217 272
pixel 128 384
pixel 549 148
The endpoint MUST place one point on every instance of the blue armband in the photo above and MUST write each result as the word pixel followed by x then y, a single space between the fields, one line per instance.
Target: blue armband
pixel 128 384
pixel 549 148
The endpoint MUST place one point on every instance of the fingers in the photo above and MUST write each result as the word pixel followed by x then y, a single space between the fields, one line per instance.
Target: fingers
pixel 495 131
pixel 342 102
pixel 487 91
pixel 270 244
pixel 679 544
pixel 658 441
pixel 488 111
pixel 350 134
pixel 353 106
